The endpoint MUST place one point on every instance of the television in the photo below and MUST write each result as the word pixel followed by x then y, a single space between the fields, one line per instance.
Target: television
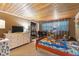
pixel 17 29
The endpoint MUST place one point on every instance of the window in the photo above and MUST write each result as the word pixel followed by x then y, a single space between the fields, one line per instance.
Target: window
pixel 2 24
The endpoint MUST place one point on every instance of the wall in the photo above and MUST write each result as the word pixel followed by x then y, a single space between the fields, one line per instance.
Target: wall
pixel 72 27
pixel 77 28
pixel 10 21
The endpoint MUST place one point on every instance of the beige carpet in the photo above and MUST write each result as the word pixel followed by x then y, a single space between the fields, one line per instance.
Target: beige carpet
pixel 30 50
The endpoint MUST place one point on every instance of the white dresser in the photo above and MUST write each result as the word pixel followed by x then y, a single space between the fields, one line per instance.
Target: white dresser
pixel 18 39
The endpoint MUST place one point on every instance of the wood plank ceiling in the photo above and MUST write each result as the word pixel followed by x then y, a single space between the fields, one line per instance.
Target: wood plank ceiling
pixel 40 11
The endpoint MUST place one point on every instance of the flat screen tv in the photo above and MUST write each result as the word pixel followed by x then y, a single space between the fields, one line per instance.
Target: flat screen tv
pixel 17 29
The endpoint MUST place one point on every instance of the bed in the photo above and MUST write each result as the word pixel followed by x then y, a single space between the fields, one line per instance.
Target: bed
pixel 56 47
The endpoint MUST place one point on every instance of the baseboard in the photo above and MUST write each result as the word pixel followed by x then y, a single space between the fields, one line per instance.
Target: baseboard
pixel 20 46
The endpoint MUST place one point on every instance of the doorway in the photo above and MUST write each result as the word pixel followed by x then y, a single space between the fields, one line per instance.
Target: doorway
pixel 33 31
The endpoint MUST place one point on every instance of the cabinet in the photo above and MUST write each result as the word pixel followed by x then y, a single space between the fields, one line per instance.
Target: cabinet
pixel 17 39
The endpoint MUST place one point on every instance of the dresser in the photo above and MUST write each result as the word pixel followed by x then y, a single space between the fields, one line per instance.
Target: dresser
pixel 18 39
